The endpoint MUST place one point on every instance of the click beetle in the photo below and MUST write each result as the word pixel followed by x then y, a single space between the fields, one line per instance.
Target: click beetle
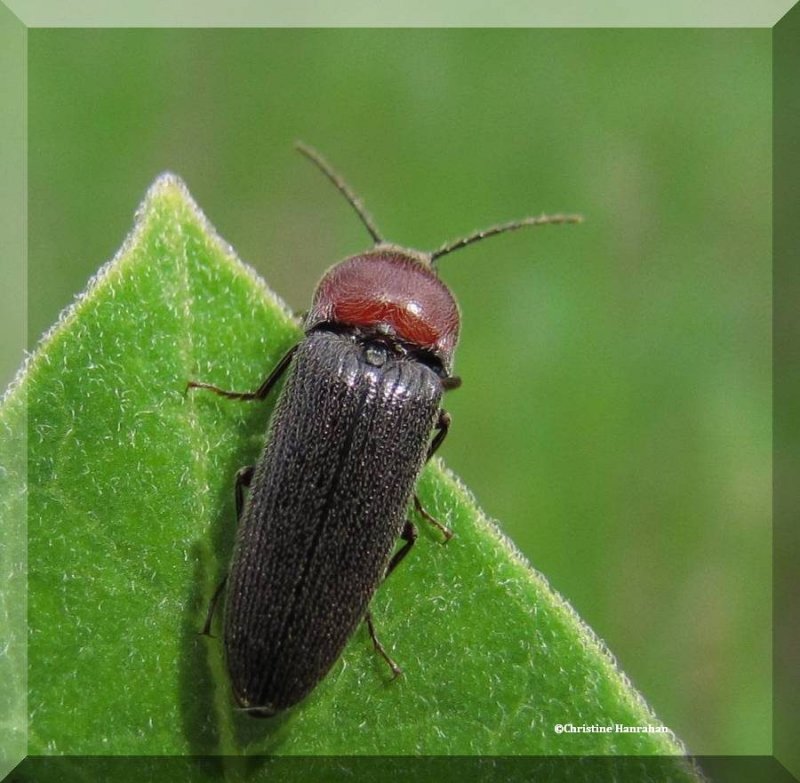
pixel 359 415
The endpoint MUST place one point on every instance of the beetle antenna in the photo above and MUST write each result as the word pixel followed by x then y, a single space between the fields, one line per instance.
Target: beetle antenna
pixel 540 220
pixel 354 201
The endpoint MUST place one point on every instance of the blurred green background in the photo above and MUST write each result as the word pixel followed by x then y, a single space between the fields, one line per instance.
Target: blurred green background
pixel 615 414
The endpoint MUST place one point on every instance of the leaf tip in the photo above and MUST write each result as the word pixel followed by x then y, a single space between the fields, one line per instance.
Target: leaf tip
pixel 166 189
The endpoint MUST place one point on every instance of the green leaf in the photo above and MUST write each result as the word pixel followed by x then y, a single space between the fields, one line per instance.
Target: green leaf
pixel 131 522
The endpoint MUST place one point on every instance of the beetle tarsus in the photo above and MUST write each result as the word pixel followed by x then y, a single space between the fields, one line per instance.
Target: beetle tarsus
pixel 425 514
pixel 396 670
pixel 231 395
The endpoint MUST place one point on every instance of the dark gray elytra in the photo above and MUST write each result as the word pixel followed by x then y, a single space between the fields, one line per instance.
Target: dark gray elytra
pixel 358 416
pixel 339 480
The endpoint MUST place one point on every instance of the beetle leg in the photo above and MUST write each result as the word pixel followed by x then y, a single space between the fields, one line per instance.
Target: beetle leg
pixel 206 630
pixel 261 392
pixel 409 535
pixel 421 510
pixel 396 670
pixel 443 427
pixel 243 478
pixel 451 382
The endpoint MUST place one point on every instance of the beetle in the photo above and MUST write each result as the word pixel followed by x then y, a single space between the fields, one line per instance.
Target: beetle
pixel 359 415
